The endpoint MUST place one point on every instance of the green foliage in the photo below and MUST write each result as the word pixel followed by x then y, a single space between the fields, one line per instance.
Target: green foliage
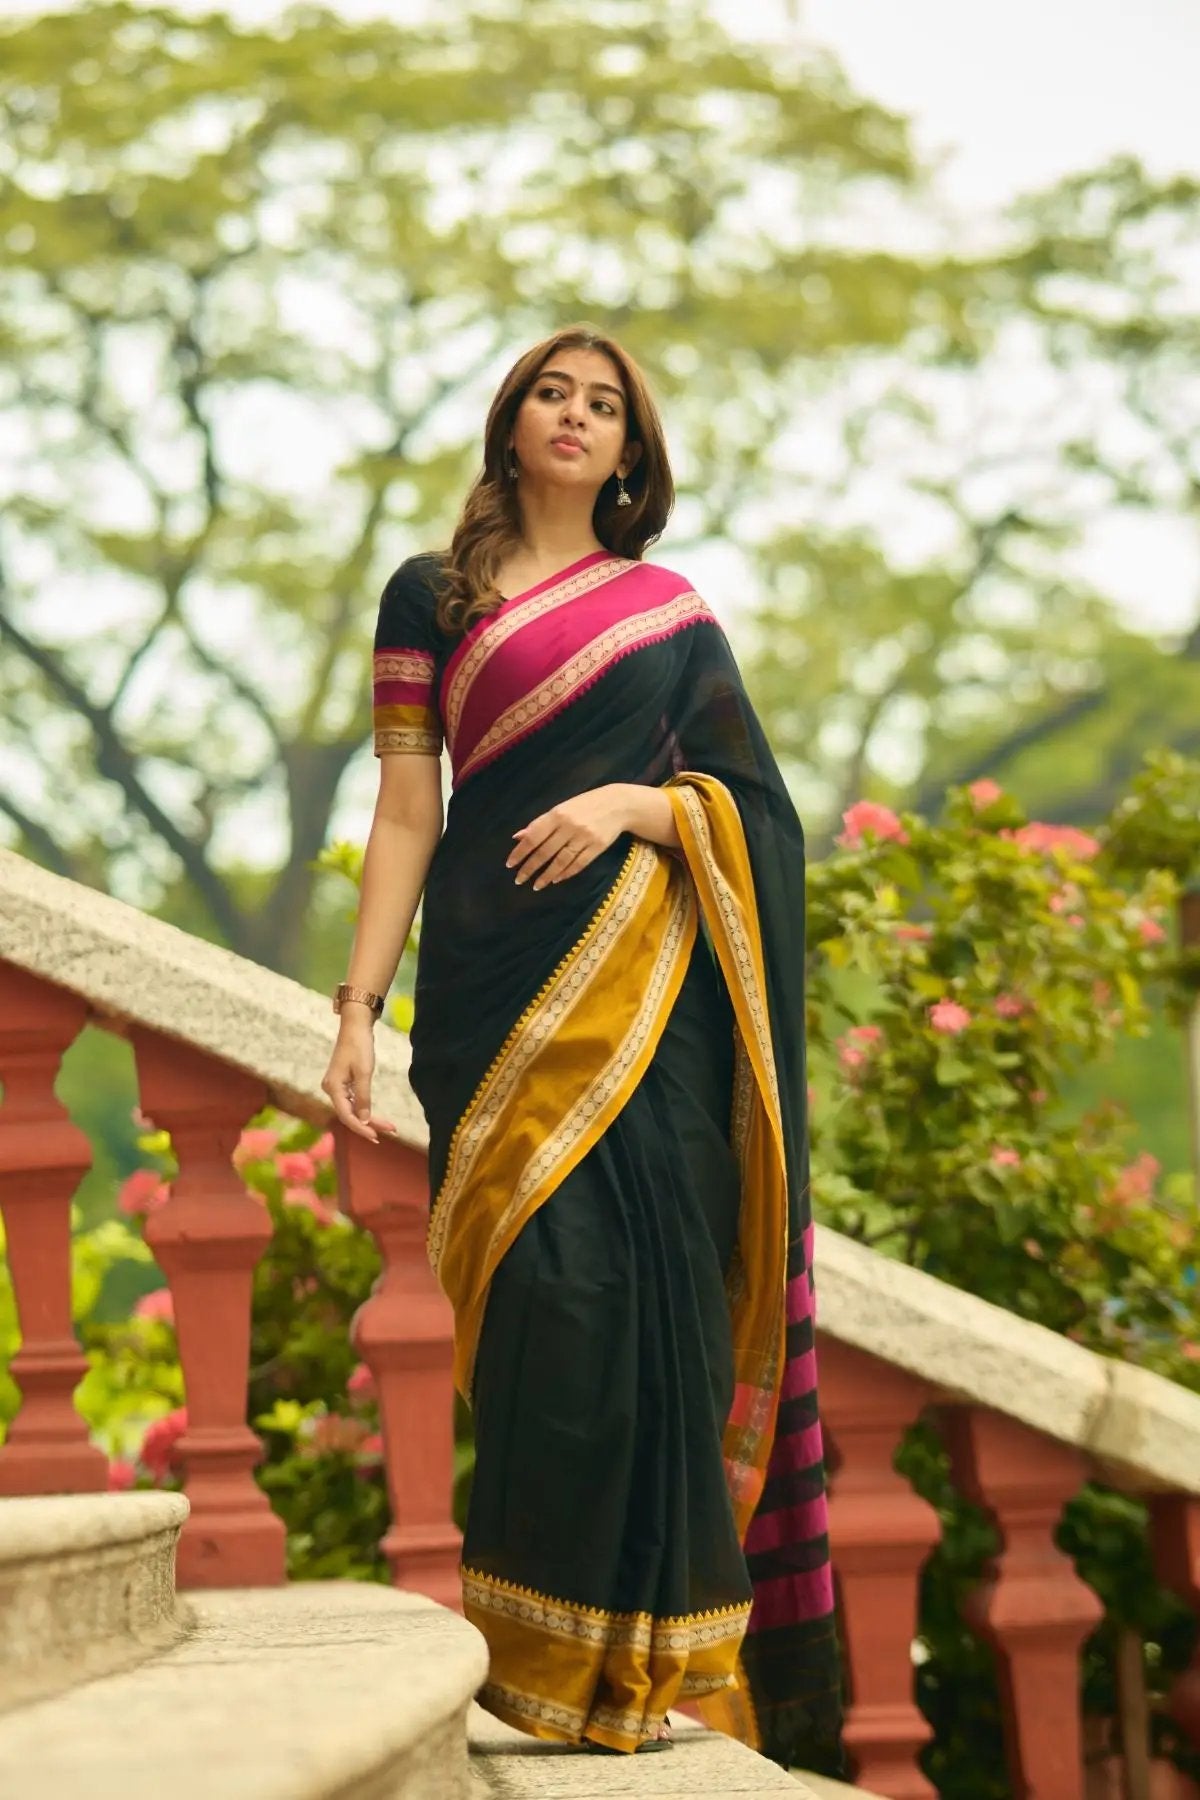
pixel 996 959
pixel 964 975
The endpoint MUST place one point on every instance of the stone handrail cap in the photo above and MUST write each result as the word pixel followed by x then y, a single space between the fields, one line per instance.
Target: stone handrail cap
pixel 132 969
pixel 1141 1430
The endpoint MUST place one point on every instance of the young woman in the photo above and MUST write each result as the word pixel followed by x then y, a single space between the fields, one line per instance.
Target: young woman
pixel 609 1047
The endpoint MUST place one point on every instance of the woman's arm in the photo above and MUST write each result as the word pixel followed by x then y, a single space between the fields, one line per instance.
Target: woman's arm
pixel 403 836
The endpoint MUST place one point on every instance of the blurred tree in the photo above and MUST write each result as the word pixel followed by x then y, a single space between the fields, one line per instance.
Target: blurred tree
pixel 986 650
pixel 258 284
pixel 355 225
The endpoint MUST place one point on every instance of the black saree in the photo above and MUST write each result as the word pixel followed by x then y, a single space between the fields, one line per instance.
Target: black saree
pixel 613 1072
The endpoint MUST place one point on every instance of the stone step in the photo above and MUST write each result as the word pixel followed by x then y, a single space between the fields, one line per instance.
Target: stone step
pixel 507 1764
pixel 87 1586
pixel 306 1692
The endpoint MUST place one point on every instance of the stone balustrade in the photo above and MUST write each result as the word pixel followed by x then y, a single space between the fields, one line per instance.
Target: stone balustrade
pixel 1027 1416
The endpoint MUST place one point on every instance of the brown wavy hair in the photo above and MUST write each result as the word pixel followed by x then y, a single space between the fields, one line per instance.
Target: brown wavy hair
pixel 490 521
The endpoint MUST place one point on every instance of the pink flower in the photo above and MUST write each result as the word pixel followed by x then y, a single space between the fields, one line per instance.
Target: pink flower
pixel 1191 1351
pixel 121 1475
pixel 336 1432
pixel 361 1384
pixel 1032 1248
pixel 1010 1006
pixel 854 1048
pixel 867 815
pixel 1005 1158
pixel 1150 931
pixel 1038 836
pixel 322 1150
pixel 918 933
pixel 1063 897
pixel 311 1201
pixel 295 1167
pixel 159 1442
pixel 158 1305
pixel 143 1192
pixel 949 1016
pixel 983 793
pixel 306 1285
pixel 1135 1182
pixel 255 1144
pixel 372 1446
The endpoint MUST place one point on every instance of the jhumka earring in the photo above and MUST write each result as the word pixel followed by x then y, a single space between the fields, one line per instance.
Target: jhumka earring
pixel 512 466
pixel 624 497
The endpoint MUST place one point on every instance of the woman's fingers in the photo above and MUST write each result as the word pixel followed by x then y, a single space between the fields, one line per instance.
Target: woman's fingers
pixel 569 861
pixel 541 854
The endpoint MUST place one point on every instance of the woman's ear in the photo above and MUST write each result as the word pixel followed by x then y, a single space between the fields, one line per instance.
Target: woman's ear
pixel 630 459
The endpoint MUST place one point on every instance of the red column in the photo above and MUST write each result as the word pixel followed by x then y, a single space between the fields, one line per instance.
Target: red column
pixel 208 1239
pixel 1175 1535
pixel 42 1158
pixel 880 1533
pixel 1031 1607
pixel 404 1333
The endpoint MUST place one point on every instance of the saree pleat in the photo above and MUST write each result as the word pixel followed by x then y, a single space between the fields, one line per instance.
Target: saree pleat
pixel 613 1071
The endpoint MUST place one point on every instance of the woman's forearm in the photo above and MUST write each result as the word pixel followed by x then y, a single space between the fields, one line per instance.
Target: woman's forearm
pixel 647 812
pixel 395 864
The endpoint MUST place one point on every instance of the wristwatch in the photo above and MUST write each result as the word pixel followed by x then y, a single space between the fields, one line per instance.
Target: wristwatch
pixel 343 992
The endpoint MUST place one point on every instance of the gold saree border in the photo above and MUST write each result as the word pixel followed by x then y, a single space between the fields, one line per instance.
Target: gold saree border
pixel 564 1671
pixel 548 1098
pixel 713 841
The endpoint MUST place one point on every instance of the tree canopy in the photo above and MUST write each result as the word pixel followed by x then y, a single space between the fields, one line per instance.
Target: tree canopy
pixel 259 284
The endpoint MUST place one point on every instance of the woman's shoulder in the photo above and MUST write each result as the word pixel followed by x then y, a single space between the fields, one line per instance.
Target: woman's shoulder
pixel 408 604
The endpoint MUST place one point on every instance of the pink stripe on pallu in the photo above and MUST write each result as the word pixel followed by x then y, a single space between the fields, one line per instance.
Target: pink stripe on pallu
pixel 800 1376
pixel 799 1450
pixel 792 1599
pixel 798 1524
pixel 799 1299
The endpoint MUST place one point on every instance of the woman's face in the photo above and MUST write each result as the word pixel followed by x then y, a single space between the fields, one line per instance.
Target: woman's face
pixel 570 428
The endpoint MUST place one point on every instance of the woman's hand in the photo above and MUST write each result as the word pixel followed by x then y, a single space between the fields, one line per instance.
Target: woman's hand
pixel 561 842
pixel 347 1080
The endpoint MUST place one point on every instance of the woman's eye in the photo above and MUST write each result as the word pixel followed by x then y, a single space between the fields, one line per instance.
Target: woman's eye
pixel 549 393
pixel 607 405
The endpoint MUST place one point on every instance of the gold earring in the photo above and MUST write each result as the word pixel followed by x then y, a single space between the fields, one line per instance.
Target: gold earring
pixel 624 497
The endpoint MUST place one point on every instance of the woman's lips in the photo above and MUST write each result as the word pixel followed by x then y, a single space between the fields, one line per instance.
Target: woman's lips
pixel 566 449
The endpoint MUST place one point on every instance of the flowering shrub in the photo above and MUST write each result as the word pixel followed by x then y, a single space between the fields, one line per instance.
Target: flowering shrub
pixel 995 956
pixel 961 974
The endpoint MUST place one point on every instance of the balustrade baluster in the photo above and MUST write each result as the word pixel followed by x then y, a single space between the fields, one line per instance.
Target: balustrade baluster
pixel 1175 1535
pixel 404 1333
pixel 207 1239
pixel 43 1156
pixel 1031 1607
pixel 880 1534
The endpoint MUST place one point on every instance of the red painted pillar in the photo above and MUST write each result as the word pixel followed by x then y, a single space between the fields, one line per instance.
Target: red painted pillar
pixel 1031 1607
pixel 405 1334
pixel 1175 1536
pixel 42 1158
pixel 208 1238
pixel 880 1533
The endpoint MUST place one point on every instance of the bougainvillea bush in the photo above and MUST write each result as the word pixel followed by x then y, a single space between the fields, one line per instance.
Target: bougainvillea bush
pixel 962 973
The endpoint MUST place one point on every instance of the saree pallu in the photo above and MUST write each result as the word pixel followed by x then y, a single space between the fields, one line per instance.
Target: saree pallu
pixel 613 1073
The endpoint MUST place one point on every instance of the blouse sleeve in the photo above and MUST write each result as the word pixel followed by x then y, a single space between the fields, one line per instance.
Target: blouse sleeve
pixel 404 694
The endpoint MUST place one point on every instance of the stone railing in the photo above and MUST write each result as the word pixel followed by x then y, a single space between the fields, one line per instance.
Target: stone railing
pixel 1027 1415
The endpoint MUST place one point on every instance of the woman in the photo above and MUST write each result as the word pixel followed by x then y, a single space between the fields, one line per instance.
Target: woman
pixel 609 1047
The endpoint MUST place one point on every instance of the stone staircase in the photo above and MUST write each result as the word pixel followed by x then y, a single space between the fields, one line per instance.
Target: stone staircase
pixel 114 1687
